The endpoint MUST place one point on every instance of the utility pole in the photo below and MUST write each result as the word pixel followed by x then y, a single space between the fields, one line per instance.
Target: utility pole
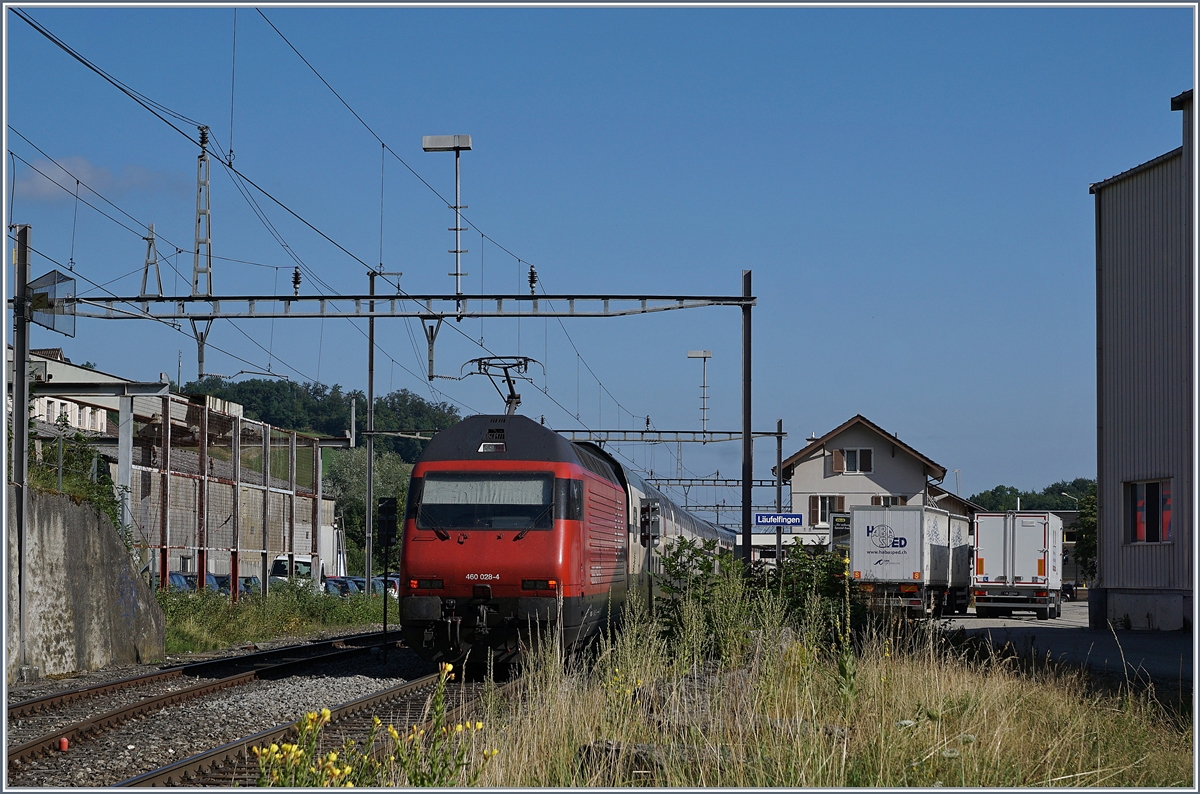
pixel 457 144
pixel 370 516
pixel 747 432
pixel 20 422
pixel 202 253
pixel 152 262
pixel 779 494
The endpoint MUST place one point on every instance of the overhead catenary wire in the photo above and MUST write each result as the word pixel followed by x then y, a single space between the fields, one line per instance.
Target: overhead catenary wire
pixel 232 83
pixel 172 265
pixel 158 110
pixel 161 111
pixel 103 198
pixel 179 250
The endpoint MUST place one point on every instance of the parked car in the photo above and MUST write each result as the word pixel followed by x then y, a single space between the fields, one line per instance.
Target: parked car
pixel 247 585
pixel 341 586
pixel 178 581
pixel 210 581
pixel 391 584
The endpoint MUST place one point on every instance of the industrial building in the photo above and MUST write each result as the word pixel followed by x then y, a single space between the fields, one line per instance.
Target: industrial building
pixel 202 488
pixel 1145 263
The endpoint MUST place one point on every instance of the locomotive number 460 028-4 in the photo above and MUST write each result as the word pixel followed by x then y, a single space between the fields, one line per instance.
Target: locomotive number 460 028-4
pixel 483 577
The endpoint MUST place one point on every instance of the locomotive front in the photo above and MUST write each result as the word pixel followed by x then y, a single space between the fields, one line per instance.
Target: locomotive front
pixel 493 540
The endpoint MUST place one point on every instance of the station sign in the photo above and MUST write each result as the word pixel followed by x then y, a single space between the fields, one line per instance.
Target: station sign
pixel 778 519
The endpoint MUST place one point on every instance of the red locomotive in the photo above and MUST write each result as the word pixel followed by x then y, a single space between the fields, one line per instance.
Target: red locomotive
pixel 506 521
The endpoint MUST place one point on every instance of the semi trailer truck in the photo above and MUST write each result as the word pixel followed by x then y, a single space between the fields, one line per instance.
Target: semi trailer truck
pixel 912 558
pixel 1018 564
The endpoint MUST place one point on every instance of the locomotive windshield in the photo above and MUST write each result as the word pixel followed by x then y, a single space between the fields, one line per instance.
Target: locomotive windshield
pixel 486 500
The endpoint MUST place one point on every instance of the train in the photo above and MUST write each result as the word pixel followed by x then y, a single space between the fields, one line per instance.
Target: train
pixel 510 528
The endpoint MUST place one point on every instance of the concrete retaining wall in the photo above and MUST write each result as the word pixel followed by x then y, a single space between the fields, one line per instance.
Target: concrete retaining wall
pixel 86 606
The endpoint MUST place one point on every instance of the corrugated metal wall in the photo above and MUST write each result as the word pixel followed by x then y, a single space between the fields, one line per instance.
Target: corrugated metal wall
pixel 1144 370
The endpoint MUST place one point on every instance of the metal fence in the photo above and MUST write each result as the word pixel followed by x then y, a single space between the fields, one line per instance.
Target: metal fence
pixel 200 495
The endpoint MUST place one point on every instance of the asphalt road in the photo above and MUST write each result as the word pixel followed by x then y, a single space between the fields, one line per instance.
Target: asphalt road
pixel 1166 657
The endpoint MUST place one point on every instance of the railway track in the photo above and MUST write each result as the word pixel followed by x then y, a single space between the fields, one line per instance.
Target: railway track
pixel 207 668
pixel 38 726
pixel 233 764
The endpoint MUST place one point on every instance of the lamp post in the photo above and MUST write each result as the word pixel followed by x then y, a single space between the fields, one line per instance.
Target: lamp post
pixel 1074 499
pixel 704 356
pixel 456 144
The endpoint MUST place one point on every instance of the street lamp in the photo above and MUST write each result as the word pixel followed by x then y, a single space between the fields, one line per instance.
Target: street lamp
pixel 456 144
pixel 704 356
pixel 1072 498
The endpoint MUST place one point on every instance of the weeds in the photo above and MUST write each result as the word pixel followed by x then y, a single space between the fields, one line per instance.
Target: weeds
pixel 733 684
pixel 85 475
pixel 434 755
pixel 203 620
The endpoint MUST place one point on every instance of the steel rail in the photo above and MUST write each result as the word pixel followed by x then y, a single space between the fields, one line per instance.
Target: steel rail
pixel 239 750
pixel 28 708
pixel 111 719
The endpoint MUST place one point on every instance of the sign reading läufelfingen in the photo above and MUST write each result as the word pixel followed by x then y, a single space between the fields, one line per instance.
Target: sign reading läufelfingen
pixel 778 519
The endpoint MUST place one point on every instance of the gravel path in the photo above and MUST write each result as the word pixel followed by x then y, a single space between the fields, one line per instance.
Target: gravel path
pixel 172 734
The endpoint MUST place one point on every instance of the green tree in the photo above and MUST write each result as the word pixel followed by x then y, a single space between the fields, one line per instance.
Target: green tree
pixel 325 410
pixel 1061 495
pixel 345 480
pixel 1085 534
pixel 1000 498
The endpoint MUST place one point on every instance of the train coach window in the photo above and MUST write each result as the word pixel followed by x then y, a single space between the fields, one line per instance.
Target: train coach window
pixel 486 500
pixel 414 499
pixel 568 500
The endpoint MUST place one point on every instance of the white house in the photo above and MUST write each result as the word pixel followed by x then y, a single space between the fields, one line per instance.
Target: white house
pixel 859 463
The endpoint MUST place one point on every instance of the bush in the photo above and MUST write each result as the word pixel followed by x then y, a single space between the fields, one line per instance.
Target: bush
pixel 80 461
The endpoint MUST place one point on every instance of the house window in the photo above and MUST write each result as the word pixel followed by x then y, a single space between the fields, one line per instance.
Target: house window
pixel 859 460
pixel 820 506
pixel 1148 511
pixel 889 501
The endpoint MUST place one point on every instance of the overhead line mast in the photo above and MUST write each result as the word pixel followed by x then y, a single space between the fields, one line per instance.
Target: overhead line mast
pixel 202 253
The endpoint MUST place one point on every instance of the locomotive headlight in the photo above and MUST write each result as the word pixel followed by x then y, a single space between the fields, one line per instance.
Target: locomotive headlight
pixel 539 584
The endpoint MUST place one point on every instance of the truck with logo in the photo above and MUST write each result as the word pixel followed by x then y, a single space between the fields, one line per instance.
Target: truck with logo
pixel 1018 564
pixel 912 558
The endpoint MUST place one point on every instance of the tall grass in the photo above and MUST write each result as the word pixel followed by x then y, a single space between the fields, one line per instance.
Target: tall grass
pixel 737 685
pixel 204 620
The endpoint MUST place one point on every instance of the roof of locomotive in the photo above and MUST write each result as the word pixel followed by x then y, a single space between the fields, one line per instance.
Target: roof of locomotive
pixel 523 439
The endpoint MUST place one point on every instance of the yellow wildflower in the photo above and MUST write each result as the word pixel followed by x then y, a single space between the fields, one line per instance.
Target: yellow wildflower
pixel 458 728
pixel 479 726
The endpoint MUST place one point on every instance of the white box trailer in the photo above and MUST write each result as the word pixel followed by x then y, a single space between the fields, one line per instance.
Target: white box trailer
pixel 915 558
pixel 1018 564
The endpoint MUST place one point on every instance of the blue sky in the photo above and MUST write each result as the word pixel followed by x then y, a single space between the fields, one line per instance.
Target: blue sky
pixel 909 187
